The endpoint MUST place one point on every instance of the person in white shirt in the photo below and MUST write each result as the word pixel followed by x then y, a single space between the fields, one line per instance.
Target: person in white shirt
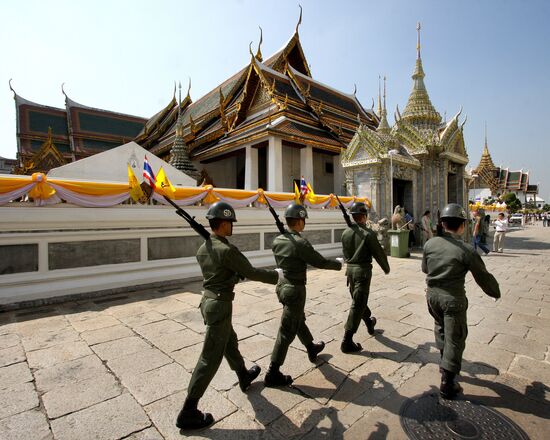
pixel 501 225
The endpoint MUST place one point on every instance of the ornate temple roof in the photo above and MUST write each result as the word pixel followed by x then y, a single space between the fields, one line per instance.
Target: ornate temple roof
pixel 419 109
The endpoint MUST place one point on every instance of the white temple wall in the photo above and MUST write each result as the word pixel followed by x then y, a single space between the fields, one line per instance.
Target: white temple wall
pixel 324 181
pixel 290 167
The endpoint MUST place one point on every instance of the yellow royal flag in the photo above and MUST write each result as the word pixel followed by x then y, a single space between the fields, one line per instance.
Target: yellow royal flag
pixel 135 189
pixel 296 194
pixel 310 194
pixel 163 185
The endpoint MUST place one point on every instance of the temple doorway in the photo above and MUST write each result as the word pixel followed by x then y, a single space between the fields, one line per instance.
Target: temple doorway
pixel 403 194
pixel 452 188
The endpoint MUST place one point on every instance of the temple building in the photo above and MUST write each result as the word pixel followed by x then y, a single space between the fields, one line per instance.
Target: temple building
pixel 489 180
pixel 418 163
pixel 48 137
pixel 264 127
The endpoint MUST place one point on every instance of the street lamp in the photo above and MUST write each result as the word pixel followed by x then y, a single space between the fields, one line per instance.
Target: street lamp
pixel 391 153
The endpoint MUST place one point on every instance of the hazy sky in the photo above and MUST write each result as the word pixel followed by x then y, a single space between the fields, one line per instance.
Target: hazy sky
pixel 490 57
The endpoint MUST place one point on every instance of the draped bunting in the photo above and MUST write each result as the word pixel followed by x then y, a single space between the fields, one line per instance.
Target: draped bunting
pixel 45 191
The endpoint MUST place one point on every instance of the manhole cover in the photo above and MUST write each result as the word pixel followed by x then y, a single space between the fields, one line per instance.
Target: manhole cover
pixel 429 417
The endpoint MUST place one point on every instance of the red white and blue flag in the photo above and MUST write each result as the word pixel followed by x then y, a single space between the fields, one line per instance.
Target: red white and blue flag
pixel 303 187
pixel 148 174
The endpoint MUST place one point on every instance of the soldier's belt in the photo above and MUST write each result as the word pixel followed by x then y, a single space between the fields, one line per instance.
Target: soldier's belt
pixel 361 265
pixel 220 296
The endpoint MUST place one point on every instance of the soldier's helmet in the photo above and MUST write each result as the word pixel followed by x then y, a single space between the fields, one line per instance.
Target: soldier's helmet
pixel 221 210
pixel 294 210
pixel 453 210
pixel 358 208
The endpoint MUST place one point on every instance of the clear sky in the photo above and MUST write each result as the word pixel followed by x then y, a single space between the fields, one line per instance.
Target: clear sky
pixel 491 57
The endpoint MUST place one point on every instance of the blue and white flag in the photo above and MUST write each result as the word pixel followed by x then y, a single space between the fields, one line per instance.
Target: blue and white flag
pixel 148 174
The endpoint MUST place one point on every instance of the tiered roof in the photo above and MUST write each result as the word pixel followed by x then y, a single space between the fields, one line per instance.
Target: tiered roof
pixel 277 96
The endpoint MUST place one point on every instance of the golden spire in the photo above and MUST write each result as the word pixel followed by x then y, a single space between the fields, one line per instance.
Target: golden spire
pixel 418 27
pixel 379 99
pixel 384 127
pixel 189 90
pixel 259 52
pixel 486 161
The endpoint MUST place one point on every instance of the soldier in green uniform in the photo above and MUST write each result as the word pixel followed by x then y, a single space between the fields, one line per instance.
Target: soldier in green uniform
pixel 360 244
pixel 446 261
pixel 222 264
pixel 293 253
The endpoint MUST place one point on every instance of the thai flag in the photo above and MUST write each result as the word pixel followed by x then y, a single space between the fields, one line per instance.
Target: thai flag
pixel 303 187
pixel 148 174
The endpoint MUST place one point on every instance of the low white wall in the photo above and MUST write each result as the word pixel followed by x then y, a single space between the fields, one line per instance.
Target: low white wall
pixel 22 224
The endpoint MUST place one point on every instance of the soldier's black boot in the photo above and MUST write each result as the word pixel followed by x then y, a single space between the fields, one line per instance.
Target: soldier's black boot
pixel 370 322
pixel 314 349
pixel 274 378
pixel 247 376
pixel 191 418
pixel 348 346
pixel 449 389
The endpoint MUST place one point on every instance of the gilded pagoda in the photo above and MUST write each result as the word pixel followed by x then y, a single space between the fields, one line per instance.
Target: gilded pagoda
pixel 264 127
pixel 418 163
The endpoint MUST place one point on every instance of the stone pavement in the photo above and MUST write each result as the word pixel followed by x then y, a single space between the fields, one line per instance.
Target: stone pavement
pixel 118 367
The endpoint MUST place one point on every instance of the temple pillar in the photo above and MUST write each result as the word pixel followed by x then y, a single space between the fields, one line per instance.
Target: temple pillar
pixel 339 187
pixel 306 164
pixel 275 164
pixel 251 168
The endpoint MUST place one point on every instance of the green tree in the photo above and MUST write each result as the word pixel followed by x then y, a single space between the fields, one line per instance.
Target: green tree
pixel 546 207
pixel 512 202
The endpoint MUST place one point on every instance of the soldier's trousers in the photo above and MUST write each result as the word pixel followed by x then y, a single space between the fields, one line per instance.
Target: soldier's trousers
pixel 293 320
pixel 359 287
pixel 220 340
pixel 451 327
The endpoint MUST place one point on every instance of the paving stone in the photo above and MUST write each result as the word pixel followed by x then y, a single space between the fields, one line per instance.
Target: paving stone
pixel 268 328
pixel 134 321
pixel 120 347
pixel 379 345
pixel 321 383
pixel 345 362
pixel 155 384
pixel 110 420
pixel 163 412
pixel 138 362
pixel 48 324
pixel 517 345
pixel 75 396
pixel 14 374
pixel 170 305
pixel 68 372
pixel 243 332
pixel 17 398
pixel 530 321
pixel 46 339
pixel 57 354
pixel 256 347
pixel 128 310
pixel 12 355
pixel 146 434
pixel 8 340
pixel 296 363
pixel 191 318
pixel 188 356
pixel 159 328
pixel 236 426
pixel 489 355
pixel 531 369
pixel 95 323
pixel 25 426
pixel 106 334
pixel 300 419
pixel 175 341
pixel 539 335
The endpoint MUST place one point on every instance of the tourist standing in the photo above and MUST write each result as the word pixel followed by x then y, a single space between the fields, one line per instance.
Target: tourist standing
pixel 360 245
pixel 501 226
pixel 292 254
pixel 478 231
pixel 222 265
pixel 446 261
pixel 427 226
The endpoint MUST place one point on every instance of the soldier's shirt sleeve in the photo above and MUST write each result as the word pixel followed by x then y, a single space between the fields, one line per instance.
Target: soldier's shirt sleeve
pixel 237 262
pixel 378 253
pixel 314 258
pixel 482 277
pixel 425 260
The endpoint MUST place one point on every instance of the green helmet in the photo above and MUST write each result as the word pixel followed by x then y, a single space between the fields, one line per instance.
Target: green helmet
pixel 453 210
pixel 358 208
pixel 294 210
pixel 221 210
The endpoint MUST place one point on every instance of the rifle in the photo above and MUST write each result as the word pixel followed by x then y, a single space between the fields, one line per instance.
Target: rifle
pixel 200 229
pixel 344 213
pixel 278 222
pixel 439 227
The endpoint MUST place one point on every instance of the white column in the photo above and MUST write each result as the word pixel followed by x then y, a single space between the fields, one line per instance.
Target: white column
pixel 338 176
pixel 275 165
pixel 251 168
pixel 306 164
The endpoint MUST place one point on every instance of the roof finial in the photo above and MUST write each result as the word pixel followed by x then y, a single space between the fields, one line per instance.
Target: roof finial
pixel 250 49
pixel 259 52
pixel 189 89
pixel 179 95
pixel 11 88
pixel 384 93
pixel 418 27
pixel 485 134
pixel 354 89
pixel 379 97
pixel 299 19
pixel 63 90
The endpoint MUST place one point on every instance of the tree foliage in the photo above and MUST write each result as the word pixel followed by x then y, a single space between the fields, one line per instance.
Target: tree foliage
pixel 512 202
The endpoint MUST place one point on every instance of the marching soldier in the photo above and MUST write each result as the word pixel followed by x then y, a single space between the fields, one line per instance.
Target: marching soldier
pixel 446 261
pixel 293 253
pixel 222 264
pixel 359 245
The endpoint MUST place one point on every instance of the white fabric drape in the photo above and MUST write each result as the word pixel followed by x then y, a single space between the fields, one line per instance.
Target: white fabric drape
pixel 12 195
pixel 90 201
